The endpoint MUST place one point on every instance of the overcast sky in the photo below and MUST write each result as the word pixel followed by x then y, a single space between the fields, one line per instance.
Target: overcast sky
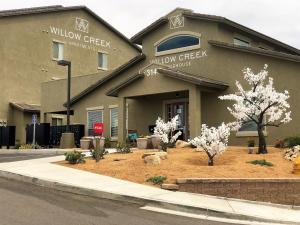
pixel 279 19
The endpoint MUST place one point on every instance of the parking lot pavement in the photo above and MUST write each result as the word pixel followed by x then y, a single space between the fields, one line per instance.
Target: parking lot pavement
pixel 11 157
pixel 27 204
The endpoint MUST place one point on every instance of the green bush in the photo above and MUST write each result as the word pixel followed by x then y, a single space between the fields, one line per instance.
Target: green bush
pixel 292 141
pixel 123 148
pixel 74 157
pixel 107 143
pixel 157 179
pixel 261 162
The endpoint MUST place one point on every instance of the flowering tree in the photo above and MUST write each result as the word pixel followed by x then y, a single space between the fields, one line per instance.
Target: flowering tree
pixel 262 104
pixel 166 131
pixel 212 140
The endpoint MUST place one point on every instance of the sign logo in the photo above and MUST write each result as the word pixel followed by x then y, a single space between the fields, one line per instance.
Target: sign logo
pixel 176 21
pixel 98 128
pixel 82 25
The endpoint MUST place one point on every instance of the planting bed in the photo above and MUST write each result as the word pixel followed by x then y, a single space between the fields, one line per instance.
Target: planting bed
pixel 188 163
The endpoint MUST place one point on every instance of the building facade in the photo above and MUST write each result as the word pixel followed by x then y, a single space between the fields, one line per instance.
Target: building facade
pixel 33 40
pixel 187 61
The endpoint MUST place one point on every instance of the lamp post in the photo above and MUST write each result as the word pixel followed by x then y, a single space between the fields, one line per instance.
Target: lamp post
pixel 67 63
pixel 67 139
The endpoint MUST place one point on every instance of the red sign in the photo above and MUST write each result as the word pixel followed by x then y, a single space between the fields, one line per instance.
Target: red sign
pixel 98 128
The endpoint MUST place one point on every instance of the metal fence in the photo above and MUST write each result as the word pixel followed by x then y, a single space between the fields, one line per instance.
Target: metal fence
pixel 7 136
pixel 49 136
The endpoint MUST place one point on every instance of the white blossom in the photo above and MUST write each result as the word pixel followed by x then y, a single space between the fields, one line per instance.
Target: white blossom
pixel 260 99
pixel 213 140
pixel 165 130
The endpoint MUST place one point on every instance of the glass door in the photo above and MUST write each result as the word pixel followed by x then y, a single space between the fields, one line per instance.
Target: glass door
pixel 180 109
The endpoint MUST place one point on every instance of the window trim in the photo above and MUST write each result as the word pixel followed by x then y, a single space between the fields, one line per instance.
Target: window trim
pixel 102 68
pixel 183 49
pixel 110 120
pixel 91 109
pixel 60 42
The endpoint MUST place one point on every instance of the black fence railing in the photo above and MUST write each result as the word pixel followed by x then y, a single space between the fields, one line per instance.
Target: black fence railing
pixel 56 132
pixel 7 136
pixel 47 135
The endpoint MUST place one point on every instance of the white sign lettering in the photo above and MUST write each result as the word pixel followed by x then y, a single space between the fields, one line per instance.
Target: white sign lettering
pixel 179 60
pixel 79 37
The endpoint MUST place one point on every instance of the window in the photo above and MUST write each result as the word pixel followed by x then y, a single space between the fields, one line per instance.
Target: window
pixel 93 116
pixel 58 50
pixel 102 60
pixel 57 121
pixel 114 122
pixel 179 43
pixel 248 126
pixel 240 42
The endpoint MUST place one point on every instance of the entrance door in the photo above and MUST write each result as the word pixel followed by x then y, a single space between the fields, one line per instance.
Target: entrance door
pixel 180 109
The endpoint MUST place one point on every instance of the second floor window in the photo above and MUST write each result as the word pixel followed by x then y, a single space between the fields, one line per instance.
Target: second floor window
pixel 57 50
pixel 102 60
pixel 178 43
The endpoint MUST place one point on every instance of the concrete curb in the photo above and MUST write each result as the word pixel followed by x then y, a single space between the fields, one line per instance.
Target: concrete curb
pixel 140 201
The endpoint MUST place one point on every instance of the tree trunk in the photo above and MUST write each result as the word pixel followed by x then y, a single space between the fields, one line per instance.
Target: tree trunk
pixel 262 148
pixel 210 161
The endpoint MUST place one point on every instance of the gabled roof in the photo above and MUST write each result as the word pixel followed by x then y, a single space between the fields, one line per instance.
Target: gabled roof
pixel 187 77
pixel 258 51
pixel 137 38
pixel 194 79
pixel 60 8
pixel 25 107
pixel 107 78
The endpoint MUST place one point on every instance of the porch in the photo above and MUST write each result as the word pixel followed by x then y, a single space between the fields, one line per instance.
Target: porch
pixel 142 99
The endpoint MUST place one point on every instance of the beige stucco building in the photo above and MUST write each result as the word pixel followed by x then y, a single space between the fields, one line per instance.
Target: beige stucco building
pixel 187 61
pixel 31 42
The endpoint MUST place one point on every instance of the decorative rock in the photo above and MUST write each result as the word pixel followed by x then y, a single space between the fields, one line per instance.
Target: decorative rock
pixel 182 144
pixel 152 160
pixel 162 155
pixel 170 187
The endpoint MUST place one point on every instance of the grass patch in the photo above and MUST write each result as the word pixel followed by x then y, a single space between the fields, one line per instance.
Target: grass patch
pixel 157 179
pixel 261 162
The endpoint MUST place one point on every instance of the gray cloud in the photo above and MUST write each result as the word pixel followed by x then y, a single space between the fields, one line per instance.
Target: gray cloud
pixel 278 19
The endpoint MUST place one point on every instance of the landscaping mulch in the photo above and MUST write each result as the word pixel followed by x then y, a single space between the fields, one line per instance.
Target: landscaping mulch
pixel 189 163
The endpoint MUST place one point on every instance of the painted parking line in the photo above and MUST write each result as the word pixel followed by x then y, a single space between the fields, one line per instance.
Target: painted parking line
pixel 205 217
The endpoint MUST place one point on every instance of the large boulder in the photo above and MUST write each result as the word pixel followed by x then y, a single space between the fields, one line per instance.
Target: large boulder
pixel 162 155
pixel 152 159
pixel 182 144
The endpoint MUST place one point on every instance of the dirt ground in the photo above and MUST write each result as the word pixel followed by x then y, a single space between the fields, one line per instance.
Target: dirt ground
pixel 188 163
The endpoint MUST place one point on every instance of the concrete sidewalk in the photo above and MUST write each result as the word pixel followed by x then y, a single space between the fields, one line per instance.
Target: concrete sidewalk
pixel 43 172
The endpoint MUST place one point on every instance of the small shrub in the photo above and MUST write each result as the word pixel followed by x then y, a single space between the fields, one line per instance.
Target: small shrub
pixel 261 162
pixel 251 143
pixel 279 143
pixel 123 148
pixel 74 157
pixel 107 143
pixel 157 179
pixel 292 141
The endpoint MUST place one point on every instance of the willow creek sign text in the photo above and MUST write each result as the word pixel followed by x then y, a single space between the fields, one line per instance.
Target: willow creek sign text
pixel 76 36
pixel 179 60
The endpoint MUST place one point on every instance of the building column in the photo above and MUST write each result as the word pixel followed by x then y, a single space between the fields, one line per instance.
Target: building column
pixel 122 119
pixel 194 111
